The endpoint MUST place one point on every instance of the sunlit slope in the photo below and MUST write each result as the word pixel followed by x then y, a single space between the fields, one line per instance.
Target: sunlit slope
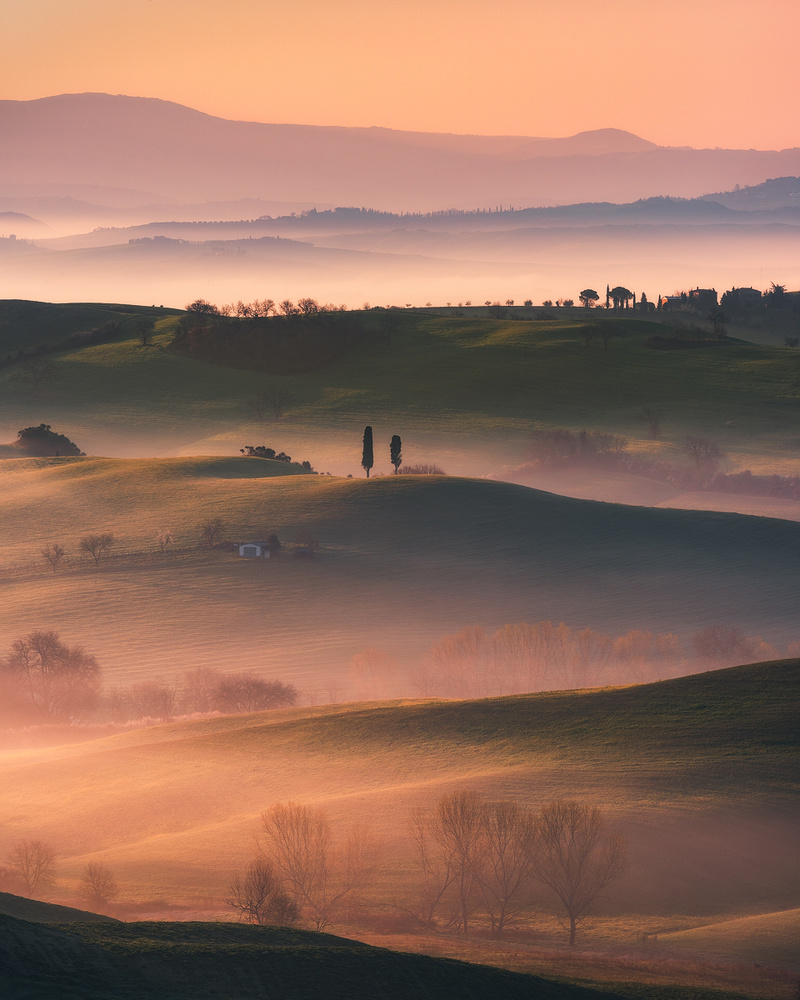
pixel 26 326
pixel 693 770
pixel 463 391
pixel 772 938
pixel 403 560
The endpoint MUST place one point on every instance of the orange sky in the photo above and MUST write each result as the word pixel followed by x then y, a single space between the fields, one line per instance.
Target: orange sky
pixel 699 73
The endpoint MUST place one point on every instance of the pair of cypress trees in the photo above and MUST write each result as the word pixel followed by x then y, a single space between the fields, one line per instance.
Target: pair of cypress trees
pixel 367 455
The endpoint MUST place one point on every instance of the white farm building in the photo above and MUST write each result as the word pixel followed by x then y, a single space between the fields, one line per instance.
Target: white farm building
pixel 254 550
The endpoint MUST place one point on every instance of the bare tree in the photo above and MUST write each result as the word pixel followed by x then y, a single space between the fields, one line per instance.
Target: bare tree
pixel 321 878
pixel 372 674
pixel 212 532
pixel 458 830
pixel 705 454
pixel 434 867
pixel 575 857
pixel 145 328
pixel 274 399
pixel 56 680
pixel 36 370
pixel 198 689
pixel 308 306
pixel 607 331
pixel 507 873
pixel 724 645
pixel 164 539
pixel 153 699
pixel 34 864
pixel 96 545
pixel 471 853
pixel 98 883
pixel 718 320
pixel 653 420
pixel 53 554
pixel 259 897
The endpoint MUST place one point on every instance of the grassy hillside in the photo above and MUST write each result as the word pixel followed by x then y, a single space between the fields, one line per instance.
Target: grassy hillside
pixel 151 961
pixel 772 938
pixel 462 391
pixel 403 560
pixel 25 325
pixel 693 771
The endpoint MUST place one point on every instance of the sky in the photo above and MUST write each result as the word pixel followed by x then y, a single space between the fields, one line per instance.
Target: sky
pixel 700 73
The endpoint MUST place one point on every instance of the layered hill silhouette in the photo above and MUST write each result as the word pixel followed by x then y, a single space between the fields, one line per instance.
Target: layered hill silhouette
pixel 166 151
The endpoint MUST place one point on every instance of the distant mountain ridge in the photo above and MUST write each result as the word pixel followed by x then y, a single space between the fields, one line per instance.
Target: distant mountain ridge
pixel 165 150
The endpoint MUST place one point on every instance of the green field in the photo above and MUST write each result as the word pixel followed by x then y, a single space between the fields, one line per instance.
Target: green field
pixel 463 392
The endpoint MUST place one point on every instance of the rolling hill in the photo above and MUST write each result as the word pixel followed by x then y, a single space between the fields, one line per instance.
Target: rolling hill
pixel 151 961
pixel 463 391
pixel 693 772
pixel 403 560
pixel 770 937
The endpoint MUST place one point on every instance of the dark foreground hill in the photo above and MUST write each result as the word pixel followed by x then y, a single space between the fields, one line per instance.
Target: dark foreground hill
pixel 37 912
pixel 167 961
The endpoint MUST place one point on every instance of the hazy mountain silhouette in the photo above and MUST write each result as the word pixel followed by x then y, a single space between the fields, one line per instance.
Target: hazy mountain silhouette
pixel 167 151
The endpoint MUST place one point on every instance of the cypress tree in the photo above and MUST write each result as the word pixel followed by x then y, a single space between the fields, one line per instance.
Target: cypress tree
pixel 367 460
pixel 395 452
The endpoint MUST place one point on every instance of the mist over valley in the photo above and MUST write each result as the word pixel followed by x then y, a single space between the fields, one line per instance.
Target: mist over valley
pixel 375 563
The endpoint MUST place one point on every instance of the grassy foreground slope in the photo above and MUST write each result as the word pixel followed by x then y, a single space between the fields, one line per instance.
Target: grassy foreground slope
pixel 463 391
pixel 694 771
pixel 159 961
pixel 403 560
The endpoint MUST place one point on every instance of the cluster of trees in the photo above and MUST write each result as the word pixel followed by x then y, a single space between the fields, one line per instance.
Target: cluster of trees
pixel 30 869
pixel 493 858
pixel 368 455
pixel 523 657
pixel 472 860
pixel 262 451
pixel 43 680
pixel 201 691
pixel 95 545
pixel 553 446
pixel 41 441
pixel 549 447
pixel 285 340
